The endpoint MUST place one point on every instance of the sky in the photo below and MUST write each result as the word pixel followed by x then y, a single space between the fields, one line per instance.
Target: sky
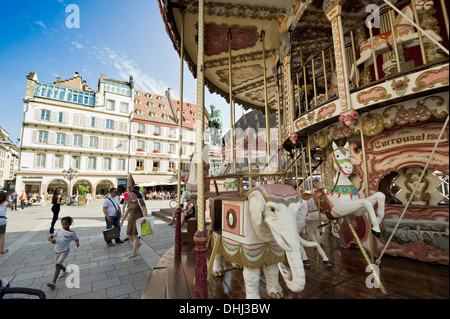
pixel 117 38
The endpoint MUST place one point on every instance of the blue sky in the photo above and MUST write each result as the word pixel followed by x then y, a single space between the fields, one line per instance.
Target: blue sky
pixel 117 38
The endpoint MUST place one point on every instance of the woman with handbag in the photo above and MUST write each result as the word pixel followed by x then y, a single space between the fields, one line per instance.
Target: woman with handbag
pixel 136 209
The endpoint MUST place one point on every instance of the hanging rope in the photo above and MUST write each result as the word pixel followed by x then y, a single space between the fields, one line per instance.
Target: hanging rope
pixel 378 261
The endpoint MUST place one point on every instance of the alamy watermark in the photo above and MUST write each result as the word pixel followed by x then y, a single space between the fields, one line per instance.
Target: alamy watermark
pixel 371 280
pixel 73 277
pixel 373 19
pixel 73 19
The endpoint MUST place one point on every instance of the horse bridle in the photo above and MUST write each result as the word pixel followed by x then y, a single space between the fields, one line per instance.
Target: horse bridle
pixel 338 164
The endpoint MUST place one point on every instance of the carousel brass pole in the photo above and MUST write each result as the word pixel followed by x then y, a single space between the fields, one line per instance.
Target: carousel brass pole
pixel 366 184
pixel 200 238
pixel 310 163
pixel 314 81
pixel 394 39
pixel 374 57
pixel 303 166
pixel 355 67
pixel 416 17
pixel 230 80
pixel 177 249
pixel 325 75
pixel 445 14
pixel 266 102
pixel 366 257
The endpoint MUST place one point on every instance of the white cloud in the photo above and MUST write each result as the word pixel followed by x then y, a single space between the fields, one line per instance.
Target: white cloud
pixel 42 24
pixel 77 45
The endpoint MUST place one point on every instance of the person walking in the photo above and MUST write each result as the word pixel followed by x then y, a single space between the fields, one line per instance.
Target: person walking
pixel 126 198
pixel 136 209
pixel 61 238
pixel 23 199
pixel 4 204
pixel 112 212
pixel 14 197
pixel 56 207
pixel 88 198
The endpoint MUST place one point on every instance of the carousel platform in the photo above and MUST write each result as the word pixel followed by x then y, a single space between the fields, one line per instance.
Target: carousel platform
pixel 403 278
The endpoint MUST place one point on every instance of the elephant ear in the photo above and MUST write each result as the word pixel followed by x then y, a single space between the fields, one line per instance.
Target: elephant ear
pixel 256 206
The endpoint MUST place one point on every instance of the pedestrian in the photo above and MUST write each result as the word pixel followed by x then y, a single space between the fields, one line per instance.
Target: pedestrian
pixel 56 207
pixel 139 192
pixel 14 197
pixel 188 213
pixel 23 199
pixel 4 204
pixel 61 238
pixel 111 209
pixel 126 198
pixel 88 198
pixel 136 209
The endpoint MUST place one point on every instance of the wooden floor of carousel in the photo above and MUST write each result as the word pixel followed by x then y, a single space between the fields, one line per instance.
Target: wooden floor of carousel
pixel 403 278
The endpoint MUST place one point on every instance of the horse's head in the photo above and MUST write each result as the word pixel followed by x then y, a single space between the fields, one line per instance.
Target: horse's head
pixel 423 5
pixel 341 159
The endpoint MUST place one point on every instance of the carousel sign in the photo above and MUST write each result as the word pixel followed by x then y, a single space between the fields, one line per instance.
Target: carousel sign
pixel 407 136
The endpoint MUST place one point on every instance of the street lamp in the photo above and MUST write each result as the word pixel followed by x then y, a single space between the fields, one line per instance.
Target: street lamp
pixel 70 175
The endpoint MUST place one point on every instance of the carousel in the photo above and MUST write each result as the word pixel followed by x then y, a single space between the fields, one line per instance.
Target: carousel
pixel 346 170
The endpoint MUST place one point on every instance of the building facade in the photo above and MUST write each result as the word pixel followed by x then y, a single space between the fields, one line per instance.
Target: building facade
pixel 113 137
pixel 9 159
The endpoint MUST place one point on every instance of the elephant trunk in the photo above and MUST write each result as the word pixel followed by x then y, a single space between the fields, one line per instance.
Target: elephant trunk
pixel 295 275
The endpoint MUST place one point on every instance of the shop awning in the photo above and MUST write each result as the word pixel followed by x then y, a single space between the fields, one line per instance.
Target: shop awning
pixel 154 180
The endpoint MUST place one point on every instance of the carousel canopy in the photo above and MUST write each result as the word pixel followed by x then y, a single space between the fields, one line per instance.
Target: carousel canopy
pixel 247 20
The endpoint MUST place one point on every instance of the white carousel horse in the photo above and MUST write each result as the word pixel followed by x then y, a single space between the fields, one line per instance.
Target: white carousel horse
pixel 344 200
pixel 406 36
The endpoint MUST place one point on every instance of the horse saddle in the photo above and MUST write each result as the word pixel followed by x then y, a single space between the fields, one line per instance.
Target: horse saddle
pixel 318 201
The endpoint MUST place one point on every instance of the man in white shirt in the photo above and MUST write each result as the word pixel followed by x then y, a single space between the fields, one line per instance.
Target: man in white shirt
pixel 111 208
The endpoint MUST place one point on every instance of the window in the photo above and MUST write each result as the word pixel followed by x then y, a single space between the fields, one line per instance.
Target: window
pixel 165 117
pixel 92 163
pixel 156 147
pixel 171 148
pixel 140 146
pixel 153 114
pixel 45 115
pixel 110 105
pixel 121 165
pixel 141 128
pixel 157 130
pixel 124 107
pixel 136 93
pixel 162 107
pixel 93 141
pixel 139 165
pixel 43 137
pixel 156 166
pixel 110 124
pixel 92 121
pixel 78 120
pixel 60 139
pixel 139 112
pixel 138 102
pixel 172 132
pixel 59 160
pixel 151 104
pixel 60 117
pixel 40 160
pixel 77 140
pixel 107 164
pixel 75 162
pixel 160 98
pixel 148 96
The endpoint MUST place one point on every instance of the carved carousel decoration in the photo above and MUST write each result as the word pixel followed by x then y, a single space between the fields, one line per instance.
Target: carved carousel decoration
pixel 352 133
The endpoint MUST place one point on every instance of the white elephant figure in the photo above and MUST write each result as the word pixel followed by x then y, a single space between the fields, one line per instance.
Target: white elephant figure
pixel 267 237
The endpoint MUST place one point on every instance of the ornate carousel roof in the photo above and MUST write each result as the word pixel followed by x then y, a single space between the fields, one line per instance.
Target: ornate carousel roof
pixel 246 20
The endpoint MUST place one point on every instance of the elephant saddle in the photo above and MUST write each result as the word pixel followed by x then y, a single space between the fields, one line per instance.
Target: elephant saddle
pixel 318 201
